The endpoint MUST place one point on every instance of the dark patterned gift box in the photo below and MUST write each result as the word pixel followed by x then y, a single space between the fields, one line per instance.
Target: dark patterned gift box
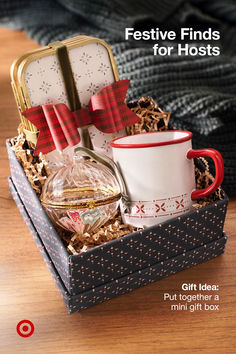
pixel 123 264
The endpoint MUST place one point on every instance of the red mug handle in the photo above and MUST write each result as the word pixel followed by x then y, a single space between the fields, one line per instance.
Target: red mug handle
pixel 219 168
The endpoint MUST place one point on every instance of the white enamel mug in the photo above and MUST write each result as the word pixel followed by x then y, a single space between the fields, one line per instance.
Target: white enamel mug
pixel 158 171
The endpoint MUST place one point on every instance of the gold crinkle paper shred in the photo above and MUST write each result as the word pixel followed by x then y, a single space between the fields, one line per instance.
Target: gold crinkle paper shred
pixel 35 167
pixel 152 118
pixel 112 230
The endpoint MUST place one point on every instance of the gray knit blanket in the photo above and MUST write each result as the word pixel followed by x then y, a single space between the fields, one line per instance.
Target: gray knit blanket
pixel 198 90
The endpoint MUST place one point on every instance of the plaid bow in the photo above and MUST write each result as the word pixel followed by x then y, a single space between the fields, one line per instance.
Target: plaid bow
pixel 58 126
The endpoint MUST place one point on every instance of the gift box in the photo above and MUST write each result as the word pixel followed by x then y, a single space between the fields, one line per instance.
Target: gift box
pixel 126 263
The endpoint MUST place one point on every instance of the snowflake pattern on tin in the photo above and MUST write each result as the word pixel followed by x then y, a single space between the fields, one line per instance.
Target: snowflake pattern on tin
pixel 92 88
pixel 104 84
pixel 49 101
pixel 62 98
pixel 55 67
pixel 45 87
pixel 41 71
pixel 28 77
pixel 103 68
pixel 89 73
pixel 99 53
pixel 77 77
pixel 60 83
pixel 85 58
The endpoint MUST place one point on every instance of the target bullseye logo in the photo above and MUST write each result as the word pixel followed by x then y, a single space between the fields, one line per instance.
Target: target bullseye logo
pixel 25 328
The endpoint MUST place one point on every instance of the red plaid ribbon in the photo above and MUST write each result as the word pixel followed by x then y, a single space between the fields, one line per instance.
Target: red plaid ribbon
pixel 57 125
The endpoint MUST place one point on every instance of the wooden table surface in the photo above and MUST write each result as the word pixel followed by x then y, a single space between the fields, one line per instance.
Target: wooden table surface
pixel 138 322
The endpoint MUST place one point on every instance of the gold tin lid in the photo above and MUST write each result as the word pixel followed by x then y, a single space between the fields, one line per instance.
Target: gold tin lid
pixel 19 66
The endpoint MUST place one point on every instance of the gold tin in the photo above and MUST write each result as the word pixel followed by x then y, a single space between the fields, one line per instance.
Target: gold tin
pixel 20 65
